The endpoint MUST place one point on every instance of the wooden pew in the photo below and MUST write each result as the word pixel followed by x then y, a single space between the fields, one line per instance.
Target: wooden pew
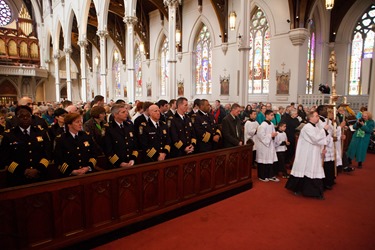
pixel 61 212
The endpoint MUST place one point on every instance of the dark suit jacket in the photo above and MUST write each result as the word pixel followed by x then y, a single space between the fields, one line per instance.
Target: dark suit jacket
pixel 231 136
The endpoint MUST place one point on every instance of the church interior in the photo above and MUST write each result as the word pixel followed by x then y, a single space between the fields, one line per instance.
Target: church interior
pixel 233 51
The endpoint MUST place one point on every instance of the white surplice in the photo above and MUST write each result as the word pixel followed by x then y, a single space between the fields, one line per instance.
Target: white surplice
pixel 250 130
pixel 266 151
pixel 308 159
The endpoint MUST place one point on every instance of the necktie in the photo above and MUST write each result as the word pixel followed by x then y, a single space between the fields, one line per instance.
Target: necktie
pixel 76 137
pixel 121 126
pixel 25 132
pixel 157 125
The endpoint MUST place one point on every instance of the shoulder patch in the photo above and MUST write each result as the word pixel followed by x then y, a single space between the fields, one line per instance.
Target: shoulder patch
pixel 58 136
pixel 143 124
pixel 7 131
pixel 87 132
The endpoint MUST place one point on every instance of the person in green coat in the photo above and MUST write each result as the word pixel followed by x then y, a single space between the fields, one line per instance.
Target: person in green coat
pixel 361 138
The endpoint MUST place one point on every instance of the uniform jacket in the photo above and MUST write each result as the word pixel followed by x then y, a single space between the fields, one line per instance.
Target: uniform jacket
pixel 154 140
pixel 71 154
pixel 20 152
pixel 205 128
pixel 182 135
pixel 120 145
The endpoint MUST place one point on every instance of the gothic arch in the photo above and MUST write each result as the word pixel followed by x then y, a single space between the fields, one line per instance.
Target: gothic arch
pixel 10 87
pixel 267 12
pixel 196 29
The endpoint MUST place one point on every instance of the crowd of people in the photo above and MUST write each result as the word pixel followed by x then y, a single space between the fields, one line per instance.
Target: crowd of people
pixel 73 136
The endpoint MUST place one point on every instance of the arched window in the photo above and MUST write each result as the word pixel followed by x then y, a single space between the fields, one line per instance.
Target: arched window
pixel 138 72
pixel 203 62
pixel 362 47
pixel 259 55
pixel 164 70
pixel 310 64
pixel 116 70
pixel 5 13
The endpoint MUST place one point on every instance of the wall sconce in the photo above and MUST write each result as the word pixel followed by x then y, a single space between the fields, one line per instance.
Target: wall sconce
pixel 116 56
pixel 178 37
pixel 96 61
pixel 232 20
pixel 329 4
pixel 142 47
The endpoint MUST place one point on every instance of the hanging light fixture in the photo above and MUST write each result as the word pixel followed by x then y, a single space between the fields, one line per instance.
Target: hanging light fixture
pixel 232 20
pixel 115 55
pixel 142 47
pixel 329 4
pixel 178 37
pixel 96 60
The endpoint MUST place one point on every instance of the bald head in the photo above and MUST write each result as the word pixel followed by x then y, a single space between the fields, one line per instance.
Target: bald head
pixel 154 112
pixel 72 109
pixel 25 101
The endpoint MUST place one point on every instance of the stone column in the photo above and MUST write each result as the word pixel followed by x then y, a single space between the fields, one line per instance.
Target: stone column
pixel 103 62
pixel 68 51
pixel 83 44
pixel 244 49
pixel 130 21
pixel 172 82
pixel 56 58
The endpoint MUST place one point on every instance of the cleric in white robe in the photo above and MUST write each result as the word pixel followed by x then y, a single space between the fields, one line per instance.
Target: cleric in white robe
pixel 266 152
pixel 307 173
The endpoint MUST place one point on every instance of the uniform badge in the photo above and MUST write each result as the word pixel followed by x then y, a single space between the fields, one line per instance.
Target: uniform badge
pixel 86 143
pixel 140 131
pixel 169 123
pixel 39 138
pixel 164 131
pixel 190 124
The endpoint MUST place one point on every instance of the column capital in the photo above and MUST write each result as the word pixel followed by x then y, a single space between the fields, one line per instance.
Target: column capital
pixel 102 33
pixel 68 51
pixel 130 20
pixel 171 3
pixel 83 43
pixel 56 55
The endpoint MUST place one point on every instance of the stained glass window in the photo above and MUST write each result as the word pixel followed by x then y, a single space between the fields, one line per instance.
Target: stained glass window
pixel 164 73
pixel 5 13
pixel 203 62
pixel 310 64
pixel 362 47
pixel 259 55
pixel 116 70
pixel 138 72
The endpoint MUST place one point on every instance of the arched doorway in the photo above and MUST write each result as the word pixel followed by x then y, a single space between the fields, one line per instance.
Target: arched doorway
pixel 63 93
pixel 8 93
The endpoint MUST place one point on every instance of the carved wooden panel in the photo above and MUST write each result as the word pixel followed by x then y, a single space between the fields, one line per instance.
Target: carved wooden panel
pixel 35 219
pixel 150 192
pixel 245 164
pixel 72 210
pixel 23 49
pixel 171 194
pixel 232 167
pixel 219 173
pixel 128 196
pixel 12 48
pixel 8 229
pixel 189 180
pixel 34 51
pixel 205 178
pixel 2 47
pixel 100 203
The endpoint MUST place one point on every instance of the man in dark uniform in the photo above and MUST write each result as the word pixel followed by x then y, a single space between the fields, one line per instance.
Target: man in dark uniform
pixel 75 151
pixel 206 130
pixel 182 130
pixel 26 150
pixel 143 117
pixel 59 127
pixel 172 108
pixel 232 128
pixel 193 113
pixel 120 143
pixel 163 107
pixel 154 137
pixel 35 120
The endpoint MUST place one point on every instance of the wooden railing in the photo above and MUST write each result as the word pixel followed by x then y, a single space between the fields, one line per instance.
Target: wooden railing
pixel 355 102
pixel 62 212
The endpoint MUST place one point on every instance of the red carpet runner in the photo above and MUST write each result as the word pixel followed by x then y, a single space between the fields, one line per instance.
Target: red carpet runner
pixel 269 216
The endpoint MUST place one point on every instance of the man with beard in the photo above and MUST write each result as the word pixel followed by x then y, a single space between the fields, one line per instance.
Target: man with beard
pixel 25 149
